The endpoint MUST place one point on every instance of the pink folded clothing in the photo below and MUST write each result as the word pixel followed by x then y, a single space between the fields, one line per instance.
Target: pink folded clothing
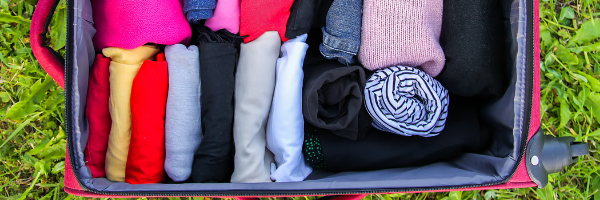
pixel 403 33
pixel 133 23
pixel 260 16
pixel 226 16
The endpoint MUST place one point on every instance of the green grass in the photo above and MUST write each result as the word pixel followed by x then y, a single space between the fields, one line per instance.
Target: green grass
pixel 32 140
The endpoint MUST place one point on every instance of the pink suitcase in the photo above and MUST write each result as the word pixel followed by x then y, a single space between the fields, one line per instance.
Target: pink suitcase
pixel 531 154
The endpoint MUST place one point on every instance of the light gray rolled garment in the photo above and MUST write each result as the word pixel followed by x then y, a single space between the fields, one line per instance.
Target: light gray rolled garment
pixel 254 88
pixel 182 122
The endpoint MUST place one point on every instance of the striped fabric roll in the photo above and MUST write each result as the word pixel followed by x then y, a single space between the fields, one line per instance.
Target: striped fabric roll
pixel 406 101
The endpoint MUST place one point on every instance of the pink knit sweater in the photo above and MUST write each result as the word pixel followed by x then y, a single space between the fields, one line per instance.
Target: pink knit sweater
pixel 404 33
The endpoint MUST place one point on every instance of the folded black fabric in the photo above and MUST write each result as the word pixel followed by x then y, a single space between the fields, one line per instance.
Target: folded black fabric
pixel 332 98
pixel 383 150
pixel 473 40
pixel 320 18
pixel 213 161
pixel 301 17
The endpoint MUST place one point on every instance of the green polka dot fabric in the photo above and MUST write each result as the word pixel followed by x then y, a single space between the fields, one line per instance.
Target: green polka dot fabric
pixel 313 152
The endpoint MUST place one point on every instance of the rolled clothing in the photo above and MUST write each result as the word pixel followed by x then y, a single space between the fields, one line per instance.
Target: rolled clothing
pixel 123 68
pixel 182 122
pixel 383 150
pixel 197 10
pixel 285 127
pixel 406 101
pixel 254 88
pixel 213 161
pixel 260 16
pixel 402 33
pixel 473 39
pixel 332 98
pixel 146 157
pixel 133 23
pixel 301 18
pixel 98 116
pixel 226 16
pixel 342 31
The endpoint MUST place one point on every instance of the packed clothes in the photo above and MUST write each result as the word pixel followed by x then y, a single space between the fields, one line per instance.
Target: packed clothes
pixel 285 128
pixel 98 115
pixel 409 38
pixel 472 37
pixel 182 122
pixel 384 150
pixel 197 10
pixel 260 16
pixel 274 91
pixel 226 16
pixel 123 69
pixel 130 24
pixel 146 157
pixel 332 98
pixel 406 101
pixel 302 14
pixel 254 88
pixel 341 33
pixel 213 161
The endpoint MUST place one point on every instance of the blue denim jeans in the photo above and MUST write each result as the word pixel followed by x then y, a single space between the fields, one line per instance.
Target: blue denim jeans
pixel 341 33
pixel 196 10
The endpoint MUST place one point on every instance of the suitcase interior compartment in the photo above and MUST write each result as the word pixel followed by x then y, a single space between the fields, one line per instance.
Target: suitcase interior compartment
pixel 506 119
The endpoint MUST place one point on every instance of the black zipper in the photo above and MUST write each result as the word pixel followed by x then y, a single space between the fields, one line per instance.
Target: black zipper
pixel 526 126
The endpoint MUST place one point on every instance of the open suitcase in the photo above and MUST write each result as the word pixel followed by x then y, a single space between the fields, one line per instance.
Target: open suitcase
pixel 520 154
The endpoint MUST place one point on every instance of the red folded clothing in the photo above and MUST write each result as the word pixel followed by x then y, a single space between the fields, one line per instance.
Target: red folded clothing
pixel 96 111
pixel 145 161
pixel 260 16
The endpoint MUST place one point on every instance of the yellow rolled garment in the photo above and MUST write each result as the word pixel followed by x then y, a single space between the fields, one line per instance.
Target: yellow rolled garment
pixel 124 66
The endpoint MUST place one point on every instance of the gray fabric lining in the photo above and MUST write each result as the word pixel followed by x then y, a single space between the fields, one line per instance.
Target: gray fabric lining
pixel 521 59
pixel 503 117
pixel 83 32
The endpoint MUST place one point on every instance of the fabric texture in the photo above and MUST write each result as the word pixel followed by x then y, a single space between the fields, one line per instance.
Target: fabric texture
pixel 285 127
pixel 129 24
pixel 183 133
pixel 473 37
pixel 315 36
pixel 98 116
pixel 341 33
pixel 301 18
pixel 254 87
pixel 406 101
pixel 383 150
pixel 226 16
pixel 123 68
pixel 146 157
pixel 312 150
pixel 260 16
pixel 402 33
pixel 332 98
pixel 197 10
pixel 213 161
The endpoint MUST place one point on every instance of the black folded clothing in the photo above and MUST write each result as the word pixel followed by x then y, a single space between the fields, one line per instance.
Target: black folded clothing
pixel 332 99
pixel 213 161
pixel 382 150
pixel 473 39
pixel 301 17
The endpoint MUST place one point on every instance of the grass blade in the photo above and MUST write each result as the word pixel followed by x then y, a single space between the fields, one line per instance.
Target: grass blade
pixel 8 18
pixel 15 132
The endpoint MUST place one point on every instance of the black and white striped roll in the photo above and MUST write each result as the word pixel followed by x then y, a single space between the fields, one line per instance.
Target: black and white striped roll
pixel 406 101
